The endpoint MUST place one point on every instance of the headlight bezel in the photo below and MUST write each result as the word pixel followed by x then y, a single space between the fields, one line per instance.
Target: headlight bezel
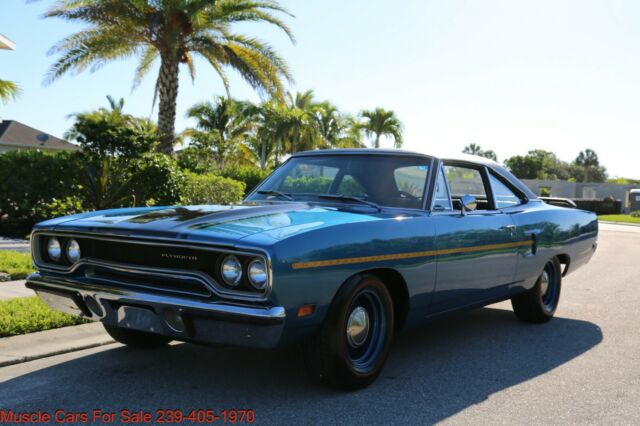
pixel 265 270
pixel 54 257
pixel 70 258
pixel 234 283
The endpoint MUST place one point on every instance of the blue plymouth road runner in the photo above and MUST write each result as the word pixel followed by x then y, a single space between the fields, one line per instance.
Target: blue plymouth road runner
pixel 336 251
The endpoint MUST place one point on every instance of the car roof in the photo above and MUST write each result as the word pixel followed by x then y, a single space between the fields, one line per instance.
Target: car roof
pixel 467 158
pixel 377 151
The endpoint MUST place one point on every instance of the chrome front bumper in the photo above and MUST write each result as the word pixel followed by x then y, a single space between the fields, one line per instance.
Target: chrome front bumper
pixel 204 322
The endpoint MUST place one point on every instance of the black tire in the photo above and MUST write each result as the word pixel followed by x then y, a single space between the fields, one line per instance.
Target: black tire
pixel 353 360
pixel 539 304
pixel 135 338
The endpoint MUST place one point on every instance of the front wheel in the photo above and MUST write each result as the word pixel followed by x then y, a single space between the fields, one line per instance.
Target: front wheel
pixel 539 304
pixel 135 338
pixel 351 348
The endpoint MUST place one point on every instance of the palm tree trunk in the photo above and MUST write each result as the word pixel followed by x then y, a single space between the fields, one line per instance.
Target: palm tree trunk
pixel 376 142
pixel 263 154
pixel 168 93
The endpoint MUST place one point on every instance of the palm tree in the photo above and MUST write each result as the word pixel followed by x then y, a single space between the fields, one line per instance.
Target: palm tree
pixel 172 31
pixel 381 122
pixel 337 130
pixel 475 149
pixel 8 90
pixel 221 129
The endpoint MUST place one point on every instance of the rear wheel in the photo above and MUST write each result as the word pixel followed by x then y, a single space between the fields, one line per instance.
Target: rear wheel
pixel 135 338
pixel 539 304
pixel 351 348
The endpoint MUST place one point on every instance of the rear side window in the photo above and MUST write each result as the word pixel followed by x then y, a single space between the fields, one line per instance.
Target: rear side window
pixel 503 195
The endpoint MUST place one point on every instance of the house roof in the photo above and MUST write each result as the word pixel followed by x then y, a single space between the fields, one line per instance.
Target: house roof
pixel 15 134
pixel 5 43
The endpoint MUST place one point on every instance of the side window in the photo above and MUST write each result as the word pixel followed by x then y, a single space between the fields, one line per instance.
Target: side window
pixel 350 186
pixel 411 180
pixel 441 199
pixel 467 181
pixel 504 196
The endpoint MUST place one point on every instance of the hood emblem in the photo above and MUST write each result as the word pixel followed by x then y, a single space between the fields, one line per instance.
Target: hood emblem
pixel 178 256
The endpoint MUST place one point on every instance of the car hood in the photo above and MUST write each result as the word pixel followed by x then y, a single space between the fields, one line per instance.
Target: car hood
pixel 218 224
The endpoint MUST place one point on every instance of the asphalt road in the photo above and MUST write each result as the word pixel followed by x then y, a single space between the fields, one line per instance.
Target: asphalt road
pixel 483 367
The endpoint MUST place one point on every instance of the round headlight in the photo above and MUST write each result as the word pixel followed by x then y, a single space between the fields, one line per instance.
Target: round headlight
pixel 231 270
pixel 257 272
pixel 73 251
pixel 53 249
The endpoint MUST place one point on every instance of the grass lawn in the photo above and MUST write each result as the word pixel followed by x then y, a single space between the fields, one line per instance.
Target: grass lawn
pixel 29 314
pixel 16 264
pixel 619 218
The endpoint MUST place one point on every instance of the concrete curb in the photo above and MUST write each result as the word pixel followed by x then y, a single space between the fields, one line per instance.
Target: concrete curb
pixel 619 223
pixel 43 344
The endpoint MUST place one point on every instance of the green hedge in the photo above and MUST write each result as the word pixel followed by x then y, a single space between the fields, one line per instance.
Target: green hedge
pixel 31 180
pixel 250 176
pixel 211 189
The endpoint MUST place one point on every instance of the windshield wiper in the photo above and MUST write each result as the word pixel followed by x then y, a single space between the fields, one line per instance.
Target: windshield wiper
pixel 276 193
pixel 344 197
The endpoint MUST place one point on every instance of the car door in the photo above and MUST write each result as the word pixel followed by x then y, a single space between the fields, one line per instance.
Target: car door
pixel 476 250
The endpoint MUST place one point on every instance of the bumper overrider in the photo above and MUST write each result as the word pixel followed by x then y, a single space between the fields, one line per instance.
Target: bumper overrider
pixel 179 318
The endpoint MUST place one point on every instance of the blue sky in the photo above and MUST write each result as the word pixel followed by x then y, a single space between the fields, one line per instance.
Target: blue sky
pixel 561 75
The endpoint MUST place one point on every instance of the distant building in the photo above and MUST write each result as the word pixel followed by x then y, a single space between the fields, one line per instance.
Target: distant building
pixel 15 136
pixel 582 190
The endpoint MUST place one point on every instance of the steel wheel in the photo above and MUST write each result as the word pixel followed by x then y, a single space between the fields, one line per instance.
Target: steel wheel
pixel 351 348
pixel 539 304
pixel 365 330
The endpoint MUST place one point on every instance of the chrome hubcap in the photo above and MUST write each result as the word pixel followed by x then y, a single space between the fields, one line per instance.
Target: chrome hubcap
pixel 544 283
pixel 358 327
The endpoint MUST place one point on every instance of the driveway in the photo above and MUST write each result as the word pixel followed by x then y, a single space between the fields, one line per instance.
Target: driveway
pixel 482 367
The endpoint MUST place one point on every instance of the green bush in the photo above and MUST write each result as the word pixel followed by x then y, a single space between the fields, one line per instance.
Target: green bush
pixel 635 213
pixel 211 189
pixel 29 314
pixel 250 176
pixel 31 181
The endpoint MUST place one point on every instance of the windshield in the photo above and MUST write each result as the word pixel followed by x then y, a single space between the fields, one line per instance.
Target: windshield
pixel 392 181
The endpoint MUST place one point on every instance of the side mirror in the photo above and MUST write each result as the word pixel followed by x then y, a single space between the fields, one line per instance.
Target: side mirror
pixel 469 203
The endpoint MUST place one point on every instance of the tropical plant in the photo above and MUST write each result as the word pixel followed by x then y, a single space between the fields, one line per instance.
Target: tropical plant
pixel 221 130
pixel 173 31
pixel 109 132
pixel 381 122
pixel 475 149
pixel 337 130
pixel 8 90
pixel 587 167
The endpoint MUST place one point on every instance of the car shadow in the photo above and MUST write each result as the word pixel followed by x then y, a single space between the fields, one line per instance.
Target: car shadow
pixel 432 373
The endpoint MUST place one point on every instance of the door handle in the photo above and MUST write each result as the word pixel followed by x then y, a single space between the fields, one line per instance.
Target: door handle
pixel 510 228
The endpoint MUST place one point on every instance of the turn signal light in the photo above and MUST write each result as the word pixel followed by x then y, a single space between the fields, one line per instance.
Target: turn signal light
pixel 306 310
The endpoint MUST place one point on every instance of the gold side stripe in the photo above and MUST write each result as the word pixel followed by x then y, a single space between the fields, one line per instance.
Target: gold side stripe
pixel 411 255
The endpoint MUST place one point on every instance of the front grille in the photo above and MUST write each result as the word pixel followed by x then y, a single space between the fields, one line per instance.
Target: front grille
pixel 154 266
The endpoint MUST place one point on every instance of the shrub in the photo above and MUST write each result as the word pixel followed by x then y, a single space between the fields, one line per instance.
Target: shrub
pixel 211 189
pixel 29 314
pixel 635 213
pixel 251 176
pixel 30 181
